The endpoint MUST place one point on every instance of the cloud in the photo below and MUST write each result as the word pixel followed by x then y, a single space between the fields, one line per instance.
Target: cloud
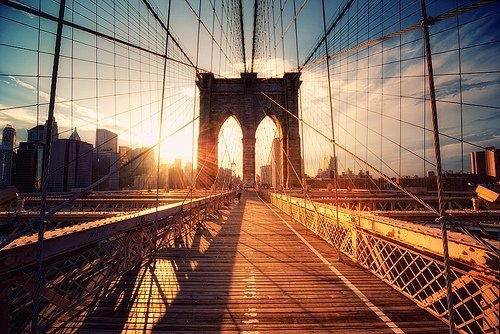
pixel 21 83
pixel 31 16
pixel 358 104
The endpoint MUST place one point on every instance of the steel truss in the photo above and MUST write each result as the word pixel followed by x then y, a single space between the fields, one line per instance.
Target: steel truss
pixel 409 259
pixel 80 261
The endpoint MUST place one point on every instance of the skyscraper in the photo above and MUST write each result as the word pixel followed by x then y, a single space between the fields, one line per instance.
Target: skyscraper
pixel 106 159
pixel 55 131
pixel 492 156
pixel 29 161
pixel 266 175
pixel 7 155
pixel 75 136
pixel 486 164
pixel 9 136
pixel 478 163
pixel 141 162
pixel 29 167
pixel 106 141
pixel 70 165
pixel 275 163
pixel 329 167
pixel 36 134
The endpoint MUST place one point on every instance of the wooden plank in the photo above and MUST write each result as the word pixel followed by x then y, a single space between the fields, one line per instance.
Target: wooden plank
pixel 246 272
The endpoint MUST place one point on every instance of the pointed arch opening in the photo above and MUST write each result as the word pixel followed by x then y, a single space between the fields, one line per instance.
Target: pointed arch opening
pixel 230 153
pixel 268 164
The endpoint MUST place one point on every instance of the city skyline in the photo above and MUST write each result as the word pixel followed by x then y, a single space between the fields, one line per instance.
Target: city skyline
pixel 76 164
pixel 249 166
pixel 110 139
pixel 395 126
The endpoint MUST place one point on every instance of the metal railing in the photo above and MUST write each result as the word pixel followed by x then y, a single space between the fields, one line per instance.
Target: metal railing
pixel 409 258
pixel 81 260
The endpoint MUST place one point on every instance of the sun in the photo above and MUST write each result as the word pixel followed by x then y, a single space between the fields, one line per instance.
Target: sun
pixel 178 146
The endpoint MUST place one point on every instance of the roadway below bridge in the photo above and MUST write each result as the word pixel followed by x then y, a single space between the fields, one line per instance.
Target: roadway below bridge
pixel 249 271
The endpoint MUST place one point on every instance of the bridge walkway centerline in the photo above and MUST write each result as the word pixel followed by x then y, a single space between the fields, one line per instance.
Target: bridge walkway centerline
pixel 247 271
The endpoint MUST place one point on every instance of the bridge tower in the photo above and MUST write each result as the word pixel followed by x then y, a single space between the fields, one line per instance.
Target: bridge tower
pixel 245 99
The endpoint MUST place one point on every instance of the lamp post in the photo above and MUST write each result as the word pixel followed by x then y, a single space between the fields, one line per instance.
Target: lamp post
pixel 233 167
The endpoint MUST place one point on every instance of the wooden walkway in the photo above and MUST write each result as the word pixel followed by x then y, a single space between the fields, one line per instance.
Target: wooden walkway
pixel 250 272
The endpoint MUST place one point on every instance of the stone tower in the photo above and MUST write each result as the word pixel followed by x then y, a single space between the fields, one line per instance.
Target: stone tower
pixel 249 99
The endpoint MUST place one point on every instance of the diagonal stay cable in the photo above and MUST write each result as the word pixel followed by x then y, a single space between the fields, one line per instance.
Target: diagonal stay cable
pixel 455 12
pixel 47 16
pixel 302 185
pixel 386 177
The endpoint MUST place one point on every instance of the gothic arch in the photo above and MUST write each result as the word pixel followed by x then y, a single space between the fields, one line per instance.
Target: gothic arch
pixel 224 116
pixel 243 98
pixel 274 116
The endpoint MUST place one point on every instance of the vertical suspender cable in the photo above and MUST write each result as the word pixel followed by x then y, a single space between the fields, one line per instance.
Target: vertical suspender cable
pixel 400 94
pixel 38 67
pixel 460 91
pixel 242 34
pixel 161 124
pixel 437 152
pixel 335 175
pixel 213 38
pixel 73 67
pixel 282 37
pixel 254 38
pixel 274 41
pixel 45 175
pixel 97 92
pixel 301 173
pixel 286 175
pixel 194 100
pixel 221 34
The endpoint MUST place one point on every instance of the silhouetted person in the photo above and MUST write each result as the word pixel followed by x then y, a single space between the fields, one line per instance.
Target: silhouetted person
pixel 238 193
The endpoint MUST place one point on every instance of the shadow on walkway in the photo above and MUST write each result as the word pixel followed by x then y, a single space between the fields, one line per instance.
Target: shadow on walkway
pixel 184 288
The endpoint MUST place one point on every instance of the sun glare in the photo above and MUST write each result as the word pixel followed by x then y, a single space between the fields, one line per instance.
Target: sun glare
pixel 231 146
pixel 264 136
pixel 178 146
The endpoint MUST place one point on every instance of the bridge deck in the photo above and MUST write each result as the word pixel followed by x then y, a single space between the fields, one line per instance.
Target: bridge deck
pixel 250 272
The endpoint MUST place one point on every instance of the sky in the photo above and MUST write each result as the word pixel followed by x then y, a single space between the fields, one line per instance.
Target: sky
pixel 378 105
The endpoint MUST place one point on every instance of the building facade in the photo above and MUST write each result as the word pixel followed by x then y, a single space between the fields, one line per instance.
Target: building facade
pixel 140 162
pixel 486 165
pixel 275 163
pixel 266 176
pixel 106 160
pixel 7 155
pixel 29 164
pixel 70 165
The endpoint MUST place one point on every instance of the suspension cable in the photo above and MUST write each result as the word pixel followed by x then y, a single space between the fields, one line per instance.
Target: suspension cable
pixel 160 128
pixel 439 179
pixel 45 181
pixel 333 142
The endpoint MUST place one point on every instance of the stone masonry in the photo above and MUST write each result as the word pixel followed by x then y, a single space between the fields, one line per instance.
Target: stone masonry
pixel 243 98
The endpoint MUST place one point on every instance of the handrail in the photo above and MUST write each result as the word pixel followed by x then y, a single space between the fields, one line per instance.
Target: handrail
pixel 408 257
pixel 81 260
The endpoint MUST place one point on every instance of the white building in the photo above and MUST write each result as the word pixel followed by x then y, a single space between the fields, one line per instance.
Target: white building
pixel 266 175
pixel 276 163
pixel 7 155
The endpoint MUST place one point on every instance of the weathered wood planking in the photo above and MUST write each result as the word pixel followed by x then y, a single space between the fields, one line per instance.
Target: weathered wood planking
pixel 246 272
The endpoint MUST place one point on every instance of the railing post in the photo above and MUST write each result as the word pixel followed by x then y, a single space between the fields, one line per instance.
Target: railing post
pixel 5 294
pixel 489 305
pixel 354 243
